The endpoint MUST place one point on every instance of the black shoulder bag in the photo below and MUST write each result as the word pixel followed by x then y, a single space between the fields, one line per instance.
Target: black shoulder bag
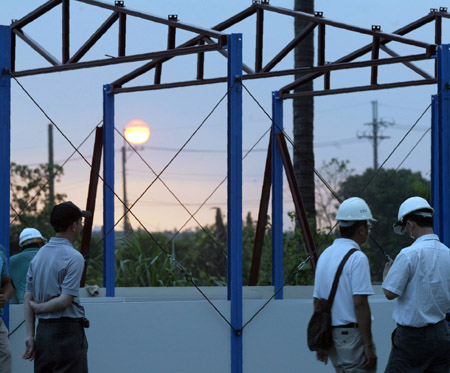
pixel 319 327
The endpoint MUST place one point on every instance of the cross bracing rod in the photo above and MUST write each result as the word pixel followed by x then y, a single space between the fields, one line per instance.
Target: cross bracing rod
pixel 37 47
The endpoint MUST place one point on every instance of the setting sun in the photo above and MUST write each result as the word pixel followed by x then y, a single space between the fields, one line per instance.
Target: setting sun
pixel 136 132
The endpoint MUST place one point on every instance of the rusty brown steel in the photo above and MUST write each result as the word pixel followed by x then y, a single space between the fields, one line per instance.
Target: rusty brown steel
pixel 375 56
pixel 259 39
pixel 37 47
pixel 122 35
pixel 30 17
pixel 406 63
pixel 90 204
pixel 310 246
pixel 94 37
pixel 262 219
pixel 65 30
pixel 292 44
pixel 376 87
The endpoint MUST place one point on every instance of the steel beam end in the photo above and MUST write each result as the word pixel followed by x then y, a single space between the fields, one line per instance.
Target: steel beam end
pixel 318 14
pixel 433 10
pixel 172 17
pixel 443 9
pixel 119 3
pixel 376 28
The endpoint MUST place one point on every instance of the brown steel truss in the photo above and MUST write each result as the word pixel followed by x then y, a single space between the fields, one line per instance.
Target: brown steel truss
pixel 214 40
pixel 119 13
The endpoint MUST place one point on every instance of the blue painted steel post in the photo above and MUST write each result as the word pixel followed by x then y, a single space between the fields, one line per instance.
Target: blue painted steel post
pixel 108 190
pixel 234 220
pixel 435 164
pixel 441 174
pixel 277 197
pixel 5 142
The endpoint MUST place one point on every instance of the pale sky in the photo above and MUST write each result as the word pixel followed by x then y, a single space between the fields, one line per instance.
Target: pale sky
pixel 74 101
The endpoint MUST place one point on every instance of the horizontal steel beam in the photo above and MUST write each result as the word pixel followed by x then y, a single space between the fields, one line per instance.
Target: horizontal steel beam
pixel 376 87
pixel 112 61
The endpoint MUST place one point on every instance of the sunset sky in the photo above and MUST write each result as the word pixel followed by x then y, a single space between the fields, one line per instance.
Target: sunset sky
pixel 74 102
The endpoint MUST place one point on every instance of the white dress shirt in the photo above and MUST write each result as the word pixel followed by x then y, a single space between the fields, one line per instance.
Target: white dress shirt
pixel 420 276
pixel 354 280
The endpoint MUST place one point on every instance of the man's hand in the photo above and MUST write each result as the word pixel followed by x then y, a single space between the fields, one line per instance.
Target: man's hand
pixel 387 267
pixel 36 307
pixel 322 356
pixel 3 300
pixel 29 349
pixel 371 357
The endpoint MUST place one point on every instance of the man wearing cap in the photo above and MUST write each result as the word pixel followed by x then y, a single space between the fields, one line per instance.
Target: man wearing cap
pixel 30 241
pixel 53 282
pixel 6 291
pixel 419 279
pixel 353 349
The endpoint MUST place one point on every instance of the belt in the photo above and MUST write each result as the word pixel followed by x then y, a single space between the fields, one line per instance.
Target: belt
pixel 61 319
pixel 420 327
pixel 349 325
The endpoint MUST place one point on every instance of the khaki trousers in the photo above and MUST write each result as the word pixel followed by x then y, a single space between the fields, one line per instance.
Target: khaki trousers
pixel 5 349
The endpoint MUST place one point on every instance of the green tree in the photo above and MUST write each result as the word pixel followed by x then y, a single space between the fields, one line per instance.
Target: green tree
pixel 384 194
pixel 30 200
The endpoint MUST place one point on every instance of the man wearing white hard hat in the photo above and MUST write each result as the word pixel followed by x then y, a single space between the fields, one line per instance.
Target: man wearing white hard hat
pixel 419 279
pixel 30 241
pixel 353 349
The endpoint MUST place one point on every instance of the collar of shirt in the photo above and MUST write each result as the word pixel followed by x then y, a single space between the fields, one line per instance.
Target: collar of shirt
pixel 347 242
pixel 427 237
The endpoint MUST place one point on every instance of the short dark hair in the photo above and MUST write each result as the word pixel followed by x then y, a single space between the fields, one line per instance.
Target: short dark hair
pixel 349 232
pixel 421 221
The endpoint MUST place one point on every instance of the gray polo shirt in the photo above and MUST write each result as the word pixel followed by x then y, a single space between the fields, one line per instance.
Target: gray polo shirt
pixel 56 269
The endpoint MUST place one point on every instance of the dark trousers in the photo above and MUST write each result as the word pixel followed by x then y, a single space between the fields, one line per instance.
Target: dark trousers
pixel 417 350
pixel 61 346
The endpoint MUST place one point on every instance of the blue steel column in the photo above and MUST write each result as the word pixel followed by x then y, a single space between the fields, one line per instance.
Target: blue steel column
pixel 277 197
pixel 108 190
pixel 441 175
pixel 234 219
pixel 5 142
pixel 435 164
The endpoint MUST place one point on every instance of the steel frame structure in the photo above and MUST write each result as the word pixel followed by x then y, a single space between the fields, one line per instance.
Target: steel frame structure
pixel 231 47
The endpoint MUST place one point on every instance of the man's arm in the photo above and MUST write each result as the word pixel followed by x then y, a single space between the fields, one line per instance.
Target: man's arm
pixel 6 291
pixel 29 327
pixel 363 317
pixel 389 294
pixel 58 303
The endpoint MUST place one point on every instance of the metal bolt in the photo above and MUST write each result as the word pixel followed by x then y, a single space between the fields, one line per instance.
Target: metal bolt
pixel 173 17
pixel 443 9
pixel 265 2
pixel 376 28
pixel 318 14
pixel 13 21
pixel 256 1
pixel 433 10
pixel 119 3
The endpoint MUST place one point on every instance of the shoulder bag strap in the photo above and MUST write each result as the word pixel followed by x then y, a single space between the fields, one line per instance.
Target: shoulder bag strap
pixel 338 275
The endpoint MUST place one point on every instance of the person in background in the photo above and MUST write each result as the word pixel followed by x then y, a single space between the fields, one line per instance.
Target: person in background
pixel 353 349
pixel 6 291
pixel 52 294
pixel 419 279
pixel 30 241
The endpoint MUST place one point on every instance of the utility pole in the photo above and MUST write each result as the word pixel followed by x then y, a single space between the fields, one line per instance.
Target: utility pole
pixel 375 136
pixel 126 224
pixel 51 184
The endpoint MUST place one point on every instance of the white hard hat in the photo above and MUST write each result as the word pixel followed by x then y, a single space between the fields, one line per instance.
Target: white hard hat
pixel 353 209
pixel 410 205
pixel 29 235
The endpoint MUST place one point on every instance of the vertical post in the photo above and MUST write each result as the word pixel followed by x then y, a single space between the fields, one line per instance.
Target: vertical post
pixel 435 171
pixel 277 197
pixel 440 177
pixel 124 179
pixel 5 142
pixel 375 134
pixel 51 181
pixel 108 190
pixel 234 220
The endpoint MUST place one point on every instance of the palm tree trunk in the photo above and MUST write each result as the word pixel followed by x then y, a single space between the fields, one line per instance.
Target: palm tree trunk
pixel 303 108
